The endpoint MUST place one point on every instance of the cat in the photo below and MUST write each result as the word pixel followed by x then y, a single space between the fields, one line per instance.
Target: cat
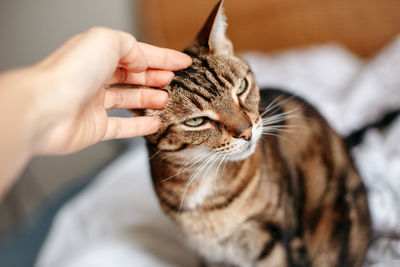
pixel 253 177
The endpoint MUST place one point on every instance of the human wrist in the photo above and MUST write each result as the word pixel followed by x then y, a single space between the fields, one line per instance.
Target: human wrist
pixel 17 99
pixel 17 117
pixel 45 106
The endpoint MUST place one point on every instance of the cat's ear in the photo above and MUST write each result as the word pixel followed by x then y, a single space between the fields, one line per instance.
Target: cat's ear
pixel 213 33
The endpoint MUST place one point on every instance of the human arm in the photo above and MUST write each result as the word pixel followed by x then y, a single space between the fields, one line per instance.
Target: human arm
pixel 59 105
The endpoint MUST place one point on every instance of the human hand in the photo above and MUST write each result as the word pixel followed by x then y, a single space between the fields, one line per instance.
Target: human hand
pixel 72 105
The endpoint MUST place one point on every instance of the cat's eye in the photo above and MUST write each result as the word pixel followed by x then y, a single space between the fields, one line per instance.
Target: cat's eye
pixel 243 86
pixel 194 122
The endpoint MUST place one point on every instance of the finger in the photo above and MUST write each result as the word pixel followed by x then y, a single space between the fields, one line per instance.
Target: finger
pixel 151 77
pixel 142 56
pixel 130 127
pixel 163 58
pixel 135 98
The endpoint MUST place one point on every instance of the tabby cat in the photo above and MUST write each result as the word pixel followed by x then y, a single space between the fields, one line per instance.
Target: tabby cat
pixel 253 177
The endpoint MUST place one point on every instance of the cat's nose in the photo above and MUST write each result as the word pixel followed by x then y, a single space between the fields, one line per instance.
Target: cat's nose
pixel 246 134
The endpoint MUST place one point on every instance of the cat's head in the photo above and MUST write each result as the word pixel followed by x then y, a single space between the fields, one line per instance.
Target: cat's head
pixel 213 104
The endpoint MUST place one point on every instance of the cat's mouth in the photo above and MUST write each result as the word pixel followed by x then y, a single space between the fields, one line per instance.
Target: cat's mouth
pixel 243 149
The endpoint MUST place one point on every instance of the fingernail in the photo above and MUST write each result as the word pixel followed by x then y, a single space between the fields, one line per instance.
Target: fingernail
pixel 163 98
pixel 171 77
pixel 157 123
pixel 153 125
pixel 189 60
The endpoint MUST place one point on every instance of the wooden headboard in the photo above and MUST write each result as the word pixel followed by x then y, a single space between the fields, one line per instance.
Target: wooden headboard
pixel 363 26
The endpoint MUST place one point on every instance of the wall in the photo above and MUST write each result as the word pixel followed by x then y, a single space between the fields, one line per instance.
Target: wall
pixel 29 30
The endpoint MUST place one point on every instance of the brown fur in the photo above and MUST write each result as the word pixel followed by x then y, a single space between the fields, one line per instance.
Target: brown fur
pixel 297 200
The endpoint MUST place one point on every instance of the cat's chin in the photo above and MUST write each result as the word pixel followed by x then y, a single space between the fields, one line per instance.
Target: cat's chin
pixel 247 152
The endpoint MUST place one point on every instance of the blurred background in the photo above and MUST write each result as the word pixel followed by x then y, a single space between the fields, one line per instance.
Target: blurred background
pixel 30 30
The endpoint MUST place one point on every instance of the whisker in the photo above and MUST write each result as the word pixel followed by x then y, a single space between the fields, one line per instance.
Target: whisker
pixel 288 114
pixel 290 126
pixel 271 105
pixel 275 105
pixel 268 130
pixel 219 165
pixel 203 171
pixel 274 120
pixel 226 162
pixel 193 177
pixel 194 161
pixel 217 171
pixel 282 128
pixel 203 155
pixel 215 177
pixel 271 124
pixel 279 117
pixel 279 136
pixel 155 154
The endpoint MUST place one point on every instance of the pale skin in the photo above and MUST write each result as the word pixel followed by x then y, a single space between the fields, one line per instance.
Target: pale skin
pixel 58 106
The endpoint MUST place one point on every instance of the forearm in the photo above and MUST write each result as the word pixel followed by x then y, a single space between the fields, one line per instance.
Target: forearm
pixel 17 119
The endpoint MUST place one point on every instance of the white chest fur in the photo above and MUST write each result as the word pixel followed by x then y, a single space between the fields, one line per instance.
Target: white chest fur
pixel 206 186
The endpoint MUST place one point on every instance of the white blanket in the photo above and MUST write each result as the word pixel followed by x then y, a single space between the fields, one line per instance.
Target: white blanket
pixel 116 221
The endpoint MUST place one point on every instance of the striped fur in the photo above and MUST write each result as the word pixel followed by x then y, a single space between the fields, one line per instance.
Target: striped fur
pixel 263 180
